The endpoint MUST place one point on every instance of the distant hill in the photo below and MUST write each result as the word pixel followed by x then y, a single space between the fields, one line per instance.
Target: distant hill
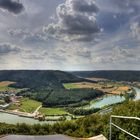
pixel 111 75
pixel 47 86
pixel 38 78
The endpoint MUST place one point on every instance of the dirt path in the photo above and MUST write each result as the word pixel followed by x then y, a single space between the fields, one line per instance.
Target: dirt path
pixel 36 111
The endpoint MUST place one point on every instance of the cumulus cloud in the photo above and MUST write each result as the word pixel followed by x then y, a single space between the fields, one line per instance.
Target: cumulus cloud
pixel 88 6
pixel 119 54
pixel 11 6
pixel 76 21
pixel 6 48
pixel 135 29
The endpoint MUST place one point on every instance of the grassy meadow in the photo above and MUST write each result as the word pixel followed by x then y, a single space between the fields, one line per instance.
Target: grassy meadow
pixel 70 85
pixel 52 111
pixel 28 105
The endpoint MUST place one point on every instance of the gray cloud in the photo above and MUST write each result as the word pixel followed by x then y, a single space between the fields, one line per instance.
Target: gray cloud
pixel 18 32
pixel 135 29
pixel 12 6
pixel 84 53
pixel 7 48
pixel 119 55
pixel 76 21
pixel 26 35
pixel 88 6
pixel 33 57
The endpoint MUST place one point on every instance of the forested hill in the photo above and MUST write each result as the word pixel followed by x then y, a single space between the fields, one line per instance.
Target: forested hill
pixel 118 75
pixel 37 78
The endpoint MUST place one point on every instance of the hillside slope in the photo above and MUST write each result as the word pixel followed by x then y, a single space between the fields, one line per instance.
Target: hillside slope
pixel 47 86
pixel 37 78
pixel 112 75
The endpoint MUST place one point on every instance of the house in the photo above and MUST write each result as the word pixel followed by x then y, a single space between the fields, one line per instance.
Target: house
pixel 4 106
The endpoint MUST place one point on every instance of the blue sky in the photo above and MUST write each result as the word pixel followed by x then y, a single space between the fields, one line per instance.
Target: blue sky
pixel 70 34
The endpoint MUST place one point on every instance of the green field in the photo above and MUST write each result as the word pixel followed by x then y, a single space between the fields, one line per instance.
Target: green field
pixel 4 86
pixel 52 111
pixel 28 105
pixel 70 85
pixel 9 89
pixel 1 102
pixel 12 107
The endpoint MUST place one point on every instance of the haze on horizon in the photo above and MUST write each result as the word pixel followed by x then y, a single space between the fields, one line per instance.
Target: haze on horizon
pixel 70 34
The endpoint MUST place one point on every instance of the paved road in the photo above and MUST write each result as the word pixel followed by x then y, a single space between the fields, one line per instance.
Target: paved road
pixel 50 137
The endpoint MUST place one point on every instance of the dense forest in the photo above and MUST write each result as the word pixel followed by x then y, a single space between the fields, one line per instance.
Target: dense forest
pixel 47 86
pixel 85 127
pixel 37 79
pixel 62 97
pixel 117 75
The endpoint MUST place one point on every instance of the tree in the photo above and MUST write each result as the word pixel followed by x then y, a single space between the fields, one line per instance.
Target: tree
pixel 7 99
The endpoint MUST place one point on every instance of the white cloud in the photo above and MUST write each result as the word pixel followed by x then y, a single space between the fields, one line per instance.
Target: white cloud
pixel 135 29
pixel 76 21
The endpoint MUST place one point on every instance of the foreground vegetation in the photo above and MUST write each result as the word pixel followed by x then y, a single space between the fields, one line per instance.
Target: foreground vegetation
pixel 85 127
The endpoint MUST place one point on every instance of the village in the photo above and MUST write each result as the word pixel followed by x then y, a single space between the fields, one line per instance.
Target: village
pixel 8 99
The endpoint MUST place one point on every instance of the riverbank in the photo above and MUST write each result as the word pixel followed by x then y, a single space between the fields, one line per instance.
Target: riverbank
pixel 20 114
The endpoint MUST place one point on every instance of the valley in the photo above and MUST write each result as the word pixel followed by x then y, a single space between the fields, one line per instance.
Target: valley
pixel 68 99
pixel 63 103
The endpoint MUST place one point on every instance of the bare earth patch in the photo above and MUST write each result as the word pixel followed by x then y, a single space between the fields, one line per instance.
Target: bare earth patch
pixel 6 83
pixel 121 90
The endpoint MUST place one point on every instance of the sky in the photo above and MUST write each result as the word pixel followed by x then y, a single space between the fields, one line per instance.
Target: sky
pixel 70 34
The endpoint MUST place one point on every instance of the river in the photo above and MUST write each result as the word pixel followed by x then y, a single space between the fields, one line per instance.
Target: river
pixel 14 119
pixel 107 100
pixel 110 99
pixel 138 93
pixel 101 102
